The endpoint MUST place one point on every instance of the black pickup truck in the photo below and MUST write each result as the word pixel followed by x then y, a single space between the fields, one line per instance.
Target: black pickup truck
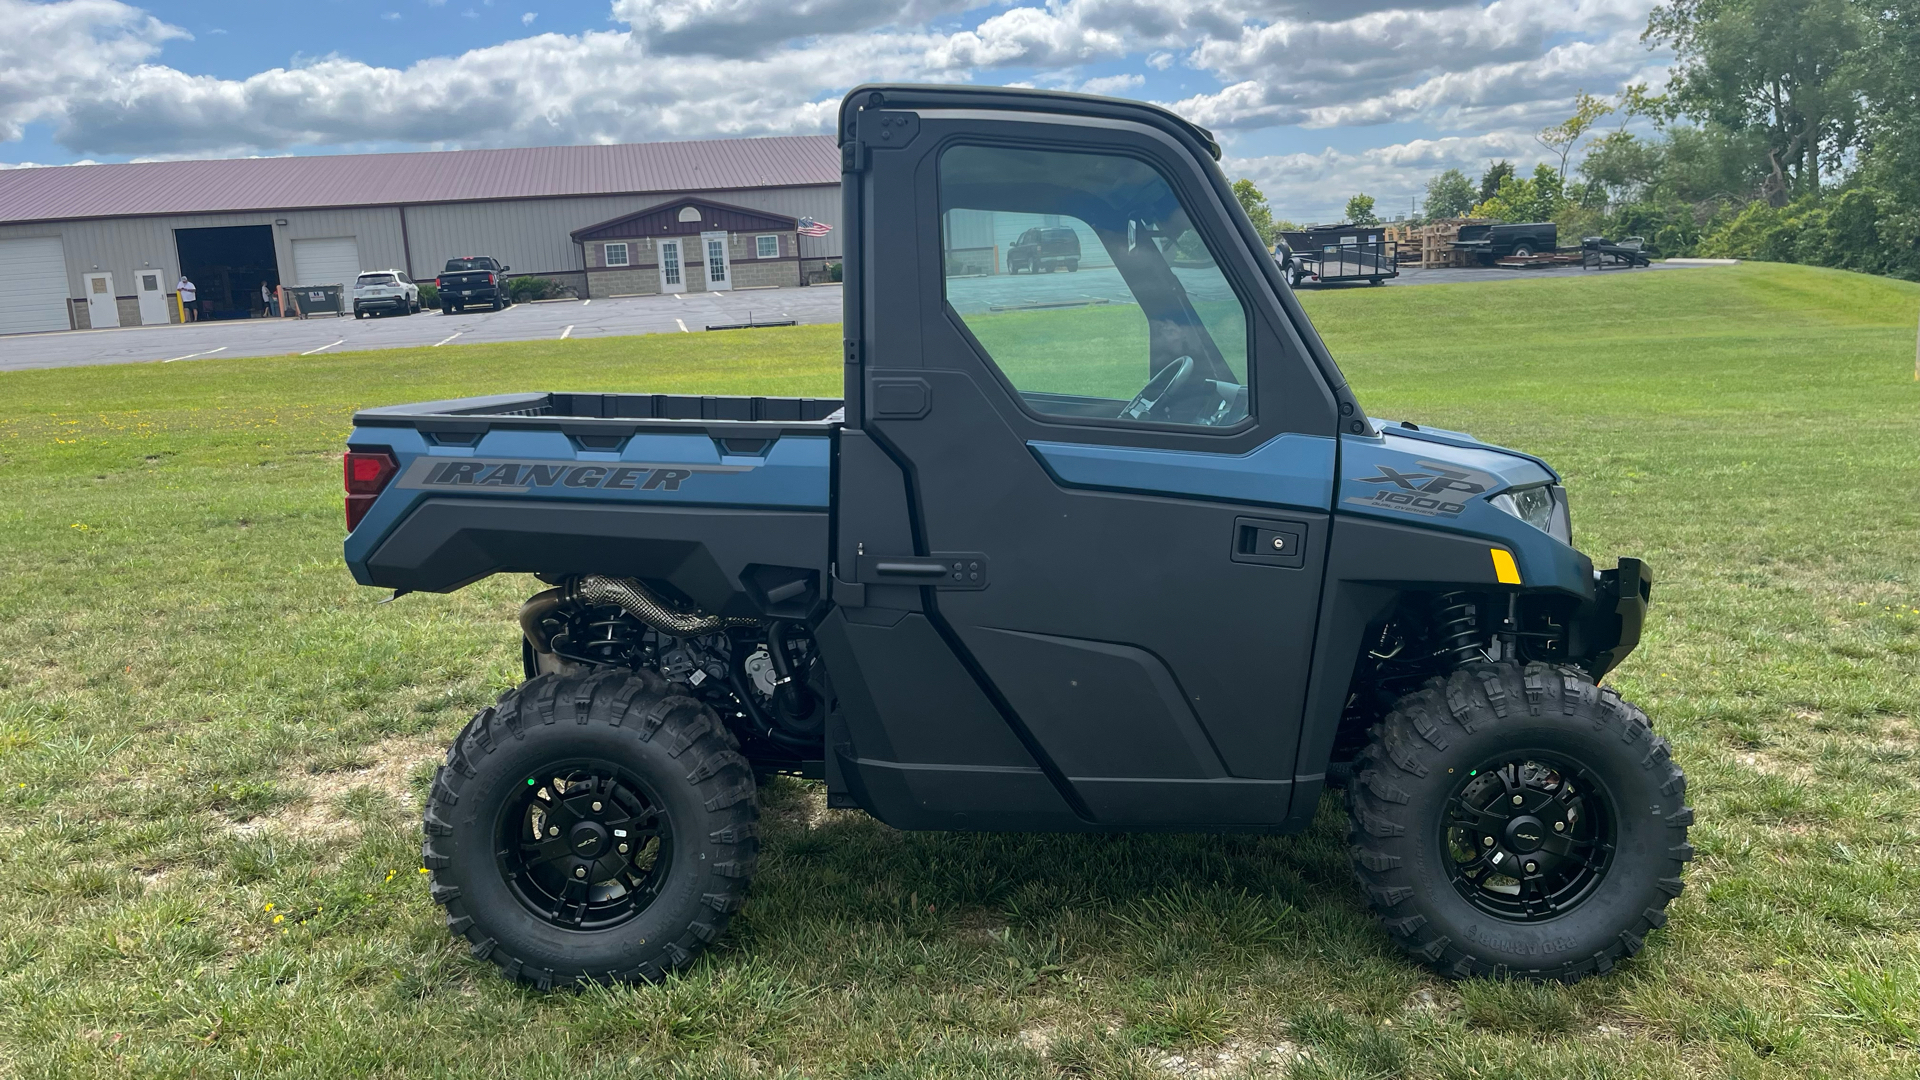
pixel 1491 243
pixel 473 280
pixel 1135 561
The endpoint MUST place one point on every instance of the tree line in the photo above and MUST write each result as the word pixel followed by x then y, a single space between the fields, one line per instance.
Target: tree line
pixel 1789 130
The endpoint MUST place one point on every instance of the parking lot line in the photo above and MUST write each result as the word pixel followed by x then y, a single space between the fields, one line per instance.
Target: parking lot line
pixel 584 303
pixel 448 338
pixel 681 323
pixel 191 355
pixel 322 348
pixel 567 332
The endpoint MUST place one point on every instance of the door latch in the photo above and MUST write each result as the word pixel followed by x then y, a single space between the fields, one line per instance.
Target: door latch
pixel 941 570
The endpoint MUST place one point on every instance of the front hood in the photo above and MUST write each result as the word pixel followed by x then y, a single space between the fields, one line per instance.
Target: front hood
pixel 1436 479
pixel 1432 476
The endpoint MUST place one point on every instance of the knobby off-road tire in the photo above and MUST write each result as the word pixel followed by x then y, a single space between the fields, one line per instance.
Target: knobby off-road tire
pixel 628 741
pixel 1461 743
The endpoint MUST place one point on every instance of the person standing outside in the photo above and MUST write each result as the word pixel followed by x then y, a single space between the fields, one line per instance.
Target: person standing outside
pixel 266 300
pixel 189 299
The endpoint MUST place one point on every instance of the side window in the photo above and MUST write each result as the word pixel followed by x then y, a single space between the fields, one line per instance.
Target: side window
pixel 766 247
pixel 616 255
pixel 1081 276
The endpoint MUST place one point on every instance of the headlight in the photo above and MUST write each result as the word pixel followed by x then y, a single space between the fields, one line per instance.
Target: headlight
pixel 1544 507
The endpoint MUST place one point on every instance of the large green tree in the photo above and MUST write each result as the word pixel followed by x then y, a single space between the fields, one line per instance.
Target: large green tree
pixel 1254 203
pixel 1792 70
pixel 1449 195
pixel 1360 211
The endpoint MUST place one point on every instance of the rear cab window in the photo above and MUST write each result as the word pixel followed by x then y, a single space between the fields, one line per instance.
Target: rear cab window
pixel 1086 286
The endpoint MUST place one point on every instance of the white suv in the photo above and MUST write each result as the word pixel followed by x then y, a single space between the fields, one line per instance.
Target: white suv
pixel 376 291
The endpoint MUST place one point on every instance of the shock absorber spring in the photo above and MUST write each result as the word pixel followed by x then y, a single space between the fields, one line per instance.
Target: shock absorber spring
pixel 1460 628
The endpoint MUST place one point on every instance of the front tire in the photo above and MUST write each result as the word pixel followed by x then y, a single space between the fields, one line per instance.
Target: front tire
pixel 648 833
pixel 1582 803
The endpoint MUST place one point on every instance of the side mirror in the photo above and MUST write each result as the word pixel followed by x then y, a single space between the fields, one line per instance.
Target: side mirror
pixel 504 268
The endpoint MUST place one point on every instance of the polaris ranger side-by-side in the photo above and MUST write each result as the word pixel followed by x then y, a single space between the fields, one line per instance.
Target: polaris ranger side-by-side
pixel 1126 558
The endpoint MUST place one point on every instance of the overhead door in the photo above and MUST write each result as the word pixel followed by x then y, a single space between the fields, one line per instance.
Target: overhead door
pixel 33 285
pixel 331 261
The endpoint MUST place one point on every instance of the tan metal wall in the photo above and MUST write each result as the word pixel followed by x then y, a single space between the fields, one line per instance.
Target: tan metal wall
pixel 123 246
pixel 531 235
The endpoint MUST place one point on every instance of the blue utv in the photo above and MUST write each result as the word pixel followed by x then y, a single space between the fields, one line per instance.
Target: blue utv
pixel 1116 550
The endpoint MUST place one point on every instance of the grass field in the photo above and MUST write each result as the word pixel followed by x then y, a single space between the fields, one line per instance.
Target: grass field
pixel 213 745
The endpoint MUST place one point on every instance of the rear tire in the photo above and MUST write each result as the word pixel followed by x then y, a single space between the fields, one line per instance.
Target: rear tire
pixel 1580 758
pixel 656 771
pixel 1522 251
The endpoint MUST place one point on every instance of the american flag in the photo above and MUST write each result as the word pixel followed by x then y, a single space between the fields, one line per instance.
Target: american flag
pixel 810 227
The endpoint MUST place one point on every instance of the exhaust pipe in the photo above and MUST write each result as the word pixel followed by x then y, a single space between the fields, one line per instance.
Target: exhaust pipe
pixel 629 596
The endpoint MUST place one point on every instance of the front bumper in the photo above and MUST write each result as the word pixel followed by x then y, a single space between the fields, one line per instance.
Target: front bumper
pixel 1608 629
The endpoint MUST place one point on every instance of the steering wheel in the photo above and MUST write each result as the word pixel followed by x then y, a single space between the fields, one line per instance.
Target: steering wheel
pixel 1171 379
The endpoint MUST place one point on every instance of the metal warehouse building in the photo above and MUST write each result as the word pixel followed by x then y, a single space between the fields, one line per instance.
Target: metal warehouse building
pixel 90 246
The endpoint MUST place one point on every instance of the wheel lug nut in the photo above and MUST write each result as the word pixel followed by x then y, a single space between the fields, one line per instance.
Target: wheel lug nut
pixel 1559 826
pixel 579 871
pixel 596 808
pixel 553 830
pixel 1531 867
pixel 1517 800
pixel 623 849
pixel 1486 841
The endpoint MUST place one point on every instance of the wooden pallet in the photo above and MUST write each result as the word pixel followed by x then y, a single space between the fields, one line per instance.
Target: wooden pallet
pixel 1429 246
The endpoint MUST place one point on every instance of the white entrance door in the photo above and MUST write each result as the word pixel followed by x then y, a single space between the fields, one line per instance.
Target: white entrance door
pixel 334 260
pixel 151 288
pixel 102 310
pixel 719 274
pixel 33 285
pixel 673 273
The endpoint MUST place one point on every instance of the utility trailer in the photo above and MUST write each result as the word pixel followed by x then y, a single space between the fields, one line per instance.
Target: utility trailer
pixel 1331 254
pixel 1144 565
pixel 1598 252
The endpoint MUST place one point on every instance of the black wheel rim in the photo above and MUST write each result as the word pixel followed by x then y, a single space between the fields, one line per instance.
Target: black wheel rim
pixel 1528 837
pixel 560 840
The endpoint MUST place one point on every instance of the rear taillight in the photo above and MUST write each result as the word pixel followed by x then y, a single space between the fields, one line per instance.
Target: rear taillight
pixel 436 283
pixel 491 280
pixel 367 474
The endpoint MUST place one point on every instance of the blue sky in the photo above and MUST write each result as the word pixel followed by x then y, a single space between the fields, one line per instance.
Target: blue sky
pixel 1314 99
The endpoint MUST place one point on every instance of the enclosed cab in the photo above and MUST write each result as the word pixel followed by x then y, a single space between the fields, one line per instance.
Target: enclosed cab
pixel 1129 556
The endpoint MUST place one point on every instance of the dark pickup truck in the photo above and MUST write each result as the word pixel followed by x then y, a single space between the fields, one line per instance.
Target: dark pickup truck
pixel 471 281
pixel 1491 243
pixel 1123 557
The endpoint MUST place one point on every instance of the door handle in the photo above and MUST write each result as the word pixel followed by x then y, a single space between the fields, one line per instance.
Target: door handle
pixel 942 570
pixel 900 568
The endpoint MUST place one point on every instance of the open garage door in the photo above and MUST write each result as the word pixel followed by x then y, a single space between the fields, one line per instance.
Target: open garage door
pixel 33 285
pixel 331 261
pixel 228 264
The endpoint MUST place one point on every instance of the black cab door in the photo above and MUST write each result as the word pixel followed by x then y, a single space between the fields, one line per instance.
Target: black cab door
pixel 1119 476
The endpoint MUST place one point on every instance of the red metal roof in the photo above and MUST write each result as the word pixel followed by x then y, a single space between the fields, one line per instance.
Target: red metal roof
pixel 292 183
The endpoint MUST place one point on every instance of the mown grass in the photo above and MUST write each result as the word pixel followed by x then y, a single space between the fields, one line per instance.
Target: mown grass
pixel 201 716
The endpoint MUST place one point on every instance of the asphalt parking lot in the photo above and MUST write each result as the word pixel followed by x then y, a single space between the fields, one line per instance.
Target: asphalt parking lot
pixel 616 317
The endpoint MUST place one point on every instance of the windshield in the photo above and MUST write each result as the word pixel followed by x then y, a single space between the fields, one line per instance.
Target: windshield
pixel 468 264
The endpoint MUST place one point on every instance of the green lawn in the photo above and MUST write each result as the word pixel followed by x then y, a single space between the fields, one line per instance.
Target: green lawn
pixel 213 744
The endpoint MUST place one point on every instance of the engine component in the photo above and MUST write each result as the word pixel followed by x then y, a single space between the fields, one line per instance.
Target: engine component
pixel 760 673
pixel 633 598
